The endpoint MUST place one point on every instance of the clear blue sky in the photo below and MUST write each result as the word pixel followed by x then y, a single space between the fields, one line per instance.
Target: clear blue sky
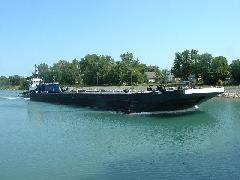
pixel 33 31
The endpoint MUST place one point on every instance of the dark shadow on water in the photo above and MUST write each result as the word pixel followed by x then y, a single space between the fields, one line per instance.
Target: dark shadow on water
pixel 44 108
pixel 46 112
pixel 174 122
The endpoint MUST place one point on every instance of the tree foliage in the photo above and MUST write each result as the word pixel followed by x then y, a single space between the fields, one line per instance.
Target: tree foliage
pixel 204 67
pixel 210 69
pixel 185 64
pixel 219 69
pixel 44 72
pixel 163 76
pixel 235 70
pixel 13 81
pixel 96 69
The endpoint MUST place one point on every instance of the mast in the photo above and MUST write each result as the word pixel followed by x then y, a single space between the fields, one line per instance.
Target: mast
pixel 35 73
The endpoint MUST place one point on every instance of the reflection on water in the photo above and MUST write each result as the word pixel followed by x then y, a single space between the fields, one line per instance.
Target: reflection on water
pixel 171 128
pixel 64 142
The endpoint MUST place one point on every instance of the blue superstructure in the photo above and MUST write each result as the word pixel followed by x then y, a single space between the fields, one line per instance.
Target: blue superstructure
pixel 49 87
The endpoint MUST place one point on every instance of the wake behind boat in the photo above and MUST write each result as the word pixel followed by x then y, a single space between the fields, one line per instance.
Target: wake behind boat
pixel 126 101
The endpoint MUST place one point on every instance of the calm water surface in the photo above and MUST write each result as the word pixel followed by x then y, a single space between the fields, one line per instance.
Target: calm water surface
pixel 47 141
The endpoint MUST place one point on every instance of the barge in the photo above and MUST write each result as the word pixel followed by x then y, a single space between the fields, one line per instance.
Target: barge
pixel 127 101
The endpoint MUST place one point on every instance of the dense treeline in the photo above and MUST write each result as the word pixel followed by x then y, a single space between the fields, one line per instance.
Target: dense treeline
pixel 235 70
pixel 100 70
pixel 205 68
pixel 104 70
pixel 13 81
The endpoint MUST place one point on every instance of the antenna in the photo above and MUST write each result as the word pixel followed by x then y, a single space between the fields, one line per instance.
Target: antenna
pixel 35 73
pixel 36 69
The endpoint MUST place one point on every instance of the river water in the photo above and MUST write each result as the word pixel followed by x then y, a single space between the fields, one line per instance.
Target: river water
pixel 47 141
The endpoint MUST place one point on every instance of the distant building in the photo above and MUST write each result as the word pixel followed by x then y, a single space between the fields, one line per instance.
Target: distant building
pixel 177 79
pixel 151 76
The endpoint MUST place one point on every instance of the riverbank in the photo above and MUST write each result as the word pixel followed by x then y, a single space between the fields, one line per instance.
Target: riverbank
pixel 12 88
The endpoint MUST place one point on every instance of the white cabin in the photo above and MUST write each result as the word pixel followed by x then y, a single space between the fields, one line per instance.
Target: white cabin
pixel 34 83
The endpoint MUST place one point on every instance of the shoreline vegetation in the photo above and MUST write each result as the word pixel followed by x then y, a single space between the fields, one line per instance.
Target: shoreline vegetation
pixel 98 71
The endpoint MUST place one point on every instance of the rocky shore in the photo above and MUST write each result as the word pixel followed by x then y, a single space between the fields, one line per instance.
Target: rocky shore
pixel 231 92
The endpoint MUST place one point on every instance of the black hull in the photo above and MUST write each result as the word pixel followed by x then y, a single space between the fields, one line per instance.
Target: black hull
pixel 127 102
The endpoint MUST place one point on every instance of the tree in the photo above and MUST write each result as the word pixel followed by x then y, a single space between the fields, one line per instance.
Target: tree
pixel 113 77
pixel 219 69
pixel 235 70
pixel 44 72
pixel 127 57
pixel 194 59
pixel 4 81
pixel 77 71
pixel 96 69
pixel 130 70
pixel 164 73
pixel 184 64
pixel 14 80
pixel 203 68
pixel 105 65
pixel 23 84
pixel 63 72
